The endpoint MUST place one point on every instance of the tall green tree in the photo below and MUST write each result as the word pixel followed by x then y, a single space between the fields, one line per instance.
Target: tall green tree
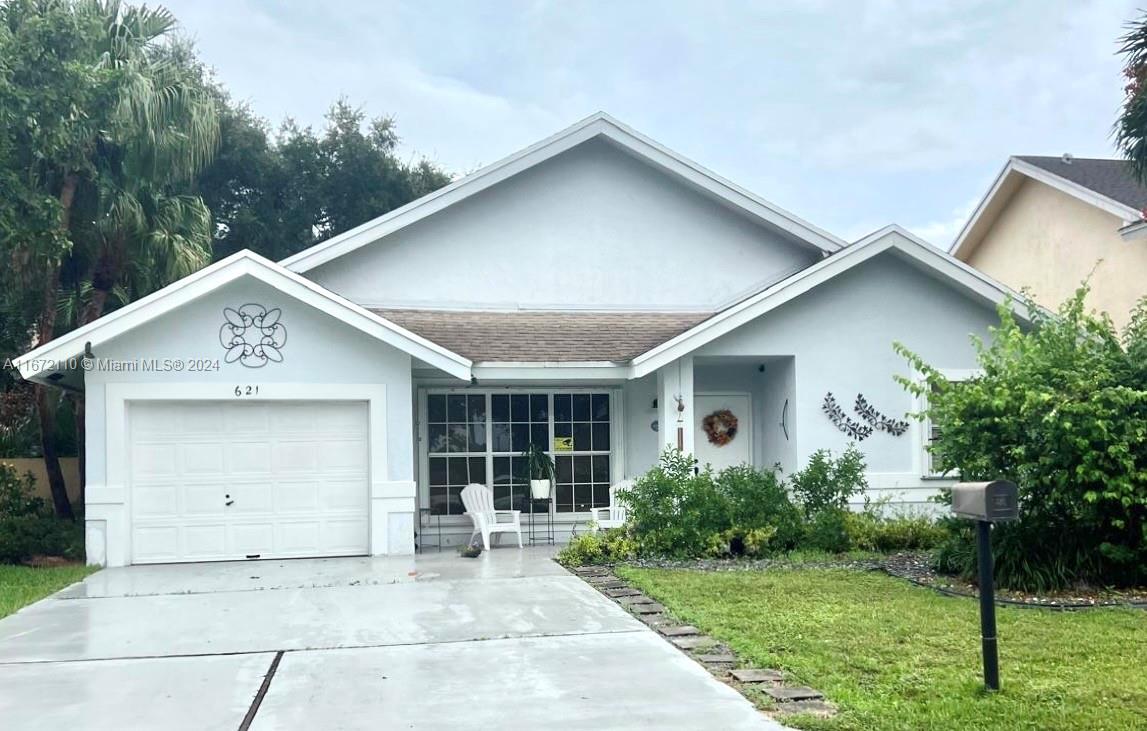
pixel 1131 127
pixel 102 123
pixel 279 193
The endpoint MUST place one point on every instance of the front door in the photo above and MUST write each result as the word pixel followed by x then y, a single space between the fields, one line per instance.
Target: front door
pixel 723 429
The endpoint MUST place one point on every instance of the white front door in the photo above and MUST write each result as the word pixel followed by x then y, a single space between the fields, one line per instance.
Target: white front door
pixel 720 445
pixel 213 481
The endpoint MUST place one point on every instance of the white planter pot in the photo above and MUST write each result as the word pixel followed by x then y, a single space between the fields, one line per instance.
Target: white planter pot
pixel 540 489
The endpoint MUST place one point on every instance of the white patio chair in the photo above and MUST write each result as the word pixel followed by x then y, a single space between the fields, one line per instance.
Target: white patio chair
pixel 479 503
pixel 616 514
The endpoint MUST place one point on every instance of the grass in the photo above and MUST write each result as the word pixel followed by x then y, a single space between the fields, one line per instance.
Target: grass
pixel 22 585
pixel 894 656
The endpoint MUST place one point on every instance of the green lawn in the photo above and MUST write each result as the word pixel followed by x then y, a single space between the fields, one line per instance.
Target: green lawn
pixel 22 585
pixel 895 656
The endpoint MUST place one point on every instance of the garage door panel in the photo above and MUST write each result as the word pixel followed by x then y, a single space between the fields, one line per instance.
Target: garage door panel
pixel 348 455
pixel 296 475
pixel 204 542
pixel 343 535
pixel 249 458
pixel 204 499
pixel 297 497
pixel 156 543
pixel 151 459
pixel 341 494
pixel 202 458
pixel 151 499
pixel 296 456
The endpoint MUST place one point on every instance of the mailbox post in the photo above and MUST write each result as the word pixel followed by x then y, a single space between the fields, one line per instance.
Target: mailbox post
pixel 986 503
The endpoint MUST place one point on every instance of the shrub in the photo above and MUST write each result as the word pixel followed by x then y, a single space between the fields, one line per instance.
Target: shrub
pixel 674 511
pixel 828 531
pixel 608 546
pixel 1060 409
pixel 875 530
pixel 28 528
pixel 758 504
pixel 827 482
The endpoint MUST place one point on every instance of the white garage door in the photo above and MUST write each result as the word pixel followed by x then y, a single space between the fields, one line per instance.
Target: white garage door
pixel 214 481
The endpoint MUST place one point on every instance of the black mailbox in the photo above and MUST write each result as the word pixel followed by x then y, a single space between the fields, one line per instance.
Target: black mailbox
pixel 993 501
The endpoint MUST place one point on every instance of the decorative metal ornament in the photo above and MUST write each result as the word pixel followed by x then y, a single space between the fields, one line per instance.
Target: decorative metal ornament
pixel 720 426
pixel 877 420
pixel 836 415
pixel 252 335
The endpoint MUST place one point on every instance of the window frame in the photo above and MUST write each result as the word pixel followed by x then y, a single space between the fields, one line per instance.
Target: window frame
pixel 928 469
pixel 616 438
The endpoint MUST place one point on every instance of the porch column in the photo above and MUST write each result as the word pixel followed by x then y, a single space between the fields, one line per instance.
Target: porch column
pixel 674 389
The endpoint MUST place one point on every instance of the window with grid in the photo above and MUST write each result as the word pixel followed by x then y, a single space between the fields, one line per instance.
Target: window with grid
pixel 935 465
pixel 582 472
pixel 456 430
pixel 479 437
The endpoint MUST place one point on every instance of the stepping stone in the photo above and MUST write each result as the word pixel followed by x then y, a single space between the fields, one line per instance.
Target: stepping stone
pixel 591 570
pixel 646 608
pixel 800 693
pixel 622 592
pixel 603 580
pixel 692 643
pixel 611 585
pixel 817 708
pixel 679 631
pixel 653 620
pixel 717 659
pixel 629 600
pixel 756 675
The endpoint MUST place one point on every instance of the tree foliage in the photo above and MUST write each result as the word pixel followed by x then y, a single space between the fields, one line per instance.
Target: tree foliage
pixel 1131 127
pixel 279 193
pixel 1061 409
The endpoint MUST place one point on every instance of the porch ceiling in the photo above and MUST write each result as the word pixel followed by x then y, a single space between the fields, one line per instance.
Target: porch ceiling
pixel 570 337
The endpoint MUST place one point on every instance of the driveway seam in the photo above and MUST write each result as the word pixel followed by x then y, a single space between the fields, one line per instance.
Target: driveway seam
pixel 13 663
pixel 263 687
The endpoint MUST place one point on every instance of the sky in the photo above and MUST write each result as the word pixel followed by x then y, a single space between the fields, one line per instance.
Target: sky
pixel 851 114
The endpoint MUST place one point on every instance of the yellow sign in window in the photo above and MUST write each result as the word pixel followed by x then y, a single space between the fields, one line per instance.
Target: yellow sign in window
pixel 563 444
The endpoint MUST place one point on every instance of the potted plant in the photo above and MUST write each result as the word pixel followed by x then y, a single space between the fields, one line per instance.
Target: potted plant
pixel 540 471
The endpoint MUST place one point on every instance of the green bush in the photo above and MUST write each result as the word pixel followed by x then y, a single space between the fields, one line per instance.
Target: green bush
pixel 609 546
pixel 874 530
pixel 1061 410
pixel 27 526
pixel 827 483
pixel 758 503
pixel 674 511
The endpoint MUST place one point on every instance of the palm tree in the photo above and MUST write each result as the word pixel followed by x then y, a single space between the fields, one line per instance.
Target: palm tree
pixel 1131 127
pixel 124 206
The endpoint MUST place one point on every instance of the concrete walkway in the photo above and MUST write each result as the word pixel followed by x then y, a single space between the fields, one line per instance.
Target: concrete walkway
pixel 509 640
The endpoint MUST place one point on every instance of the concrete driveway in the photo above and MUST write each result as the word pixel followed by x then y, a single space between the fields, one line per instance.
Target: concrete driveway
pixel 510 640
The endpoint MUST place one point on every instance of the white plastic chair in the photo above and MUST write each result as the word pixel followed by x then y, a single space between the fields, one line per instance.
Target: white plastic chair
pixel 479 503
pixel 616 514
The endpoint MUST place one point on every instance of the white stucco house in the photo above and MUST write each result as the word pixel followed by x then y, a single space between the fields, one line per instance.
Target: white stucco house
pixel 595 293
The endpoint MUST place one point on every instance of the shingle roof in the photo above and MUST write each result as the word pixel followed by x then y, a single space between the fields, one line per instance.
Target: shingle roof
pixel 1111 178
pixel 546 336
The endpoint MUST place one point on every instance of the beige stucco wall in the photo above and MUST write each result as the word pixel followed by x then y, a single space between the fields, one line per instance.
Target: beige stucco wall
pixel 69 465
pixel 1049 241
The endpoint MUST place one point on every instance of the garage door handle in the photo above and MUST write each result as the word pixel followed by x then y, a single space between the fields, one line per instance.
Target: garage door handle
pixel 229 502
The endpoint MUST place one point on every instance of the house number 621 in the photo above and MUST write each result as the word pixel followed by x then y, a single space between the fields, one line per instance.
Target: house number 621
pixel 241 391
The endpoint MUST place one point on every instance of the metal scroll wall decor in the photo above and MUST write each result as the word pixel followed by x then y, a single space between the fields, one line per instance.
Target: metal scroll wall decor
pixel 874 420
pixel 877 420
pixel 836 415
pixel 252 335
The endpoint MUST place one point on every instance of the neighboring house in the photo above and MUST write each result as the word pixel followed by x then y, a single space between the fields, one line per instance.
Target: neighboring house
pixel 1048 223
pixel 595 293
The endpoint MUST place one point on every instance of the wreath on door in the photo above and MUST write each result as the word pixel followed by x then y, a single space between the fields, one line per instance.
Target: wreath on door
pixel 720 427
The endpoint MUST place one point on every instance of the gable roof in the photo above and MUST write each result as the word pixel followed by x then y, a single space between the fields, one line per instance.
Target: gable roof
pixel 1111 178
pixel 1105 184
pixel 549 337
pixel 243 264
pixel 888 238
pixel 599 125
